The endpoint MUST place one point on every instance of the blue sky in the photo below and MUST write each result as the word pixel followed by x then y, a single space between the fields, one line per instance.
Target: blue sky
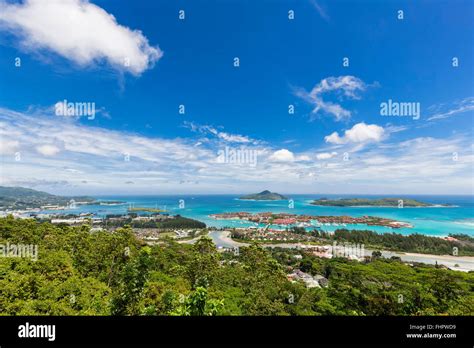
pixel 336 141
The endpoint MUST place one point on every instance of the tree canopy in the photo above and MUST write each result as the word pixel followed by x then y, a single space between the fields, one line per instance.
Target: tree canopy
pixel 84 272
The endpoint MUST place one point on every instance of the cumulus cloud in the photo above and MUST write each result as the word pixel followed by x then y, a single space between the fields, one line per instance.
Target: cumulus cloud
pixel 92 162
pixel 282 155
pixel 48 150
pixel 359 133
pixel 326 155
pixel 79 31
pixel 346 86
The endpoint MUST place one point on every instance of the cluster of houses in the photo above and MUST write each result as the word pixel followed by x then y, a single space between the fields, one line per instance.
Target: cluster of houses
pixel 350 251
pixel 270 235
pixel 76 220
pixel 152 234
pixel 316 281
pixel 366 220
pixel 82 218
pixel 139 218
pixel 287 219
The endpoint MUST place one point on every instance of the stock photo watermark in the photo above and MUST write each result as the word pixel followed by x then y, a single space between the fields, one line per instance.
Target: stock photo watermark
pixel 348 250
pixel 27 251
pixel 401 109
pixel 75 109
pixel 241 156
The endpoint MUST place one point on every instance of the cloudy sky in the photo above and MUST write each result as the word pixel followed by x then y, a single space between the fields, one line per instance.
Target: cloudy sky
pixel 231 97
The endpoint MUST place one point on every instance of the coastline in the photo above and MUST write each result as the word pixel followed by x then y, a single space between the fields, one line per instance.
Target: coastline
pixel 466 263
pixel 429 222
pixel 383 206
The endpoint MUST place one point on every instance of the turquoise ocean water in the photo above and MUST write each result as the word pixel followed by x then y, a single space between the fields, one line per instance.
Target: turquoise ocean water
pixel 435 221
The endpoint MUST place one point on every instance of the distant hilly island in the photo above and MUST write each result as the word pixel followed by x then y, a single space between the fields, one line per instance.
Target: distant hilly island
pixel 265 196
pixel 364 202
pixel 344 202
pixel 18 198
pixel 22 198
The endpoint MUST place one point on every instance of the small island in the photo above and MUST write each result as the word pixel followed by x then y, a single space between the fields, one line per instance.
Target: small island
pixel 264 196
pixel 367 202
pixel 286 219
pixel 146 209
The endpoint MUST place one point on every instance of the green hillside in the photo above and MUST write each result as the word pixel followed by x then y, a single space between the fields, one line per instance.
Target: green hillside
pixel 22 198
pixel 265 196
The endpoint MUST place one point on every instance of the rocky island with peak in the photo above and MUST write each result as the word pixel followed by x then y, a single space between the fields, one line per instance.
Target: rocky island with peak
pixel 264 196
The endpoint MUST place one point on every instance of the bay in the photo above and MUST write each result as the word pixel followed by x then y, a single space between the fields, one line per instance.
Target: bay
pixel 432 221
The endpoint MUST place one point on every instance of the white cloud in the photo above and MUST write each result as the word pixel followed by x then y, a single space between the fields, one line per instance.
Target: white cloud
pixel 303 158
pixel 79 31
pixel 326 155
pixel 389 128
pixel 359 133
pixel 205 129
pixel 92 163
pixel 233 138
pixel 347 86
pixel 48 150
pixel 467 104
pixel 282 155
pixel 8 147
pixel 320 10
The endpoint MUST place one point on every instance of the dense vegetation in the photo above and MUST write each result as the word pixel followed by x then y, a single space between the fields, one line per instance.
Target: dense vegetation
pixel 176 222
pixel 416 243
pixel 357 202
pixel 22 198
pixel 462 237
pixel 181 222
pixel 265 196
pixel 411 243
pixel 79 272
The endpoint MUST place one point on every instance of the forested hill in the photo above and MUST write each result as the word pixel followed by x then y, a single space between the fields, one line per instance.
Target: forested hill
pixel 79 272
pixel 265 196
pixel 21 198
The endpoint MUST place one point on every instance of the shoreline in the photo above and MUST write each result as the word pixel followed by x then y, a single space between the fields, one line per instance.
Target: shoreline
pixel 466 263
pixel 383 206
pixel 278 219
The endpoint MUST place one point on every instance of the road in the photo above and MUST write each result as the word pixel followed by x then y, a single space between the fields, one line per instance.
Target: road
pixel 464 263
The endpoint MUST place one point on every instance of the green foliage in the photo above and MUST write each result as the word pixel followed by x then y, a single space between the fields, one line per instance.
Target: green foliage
pixel 463 237
pixel 198 304
pixel 130 283
pixel 23 198
pixel 79 272
pixel 173 223
pixel 181 222
pixel 265 195
pixel 411 243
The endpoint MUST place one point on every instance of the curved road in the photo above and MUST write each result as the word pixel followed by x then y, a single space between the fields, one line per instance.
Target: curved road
pixel 464 263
